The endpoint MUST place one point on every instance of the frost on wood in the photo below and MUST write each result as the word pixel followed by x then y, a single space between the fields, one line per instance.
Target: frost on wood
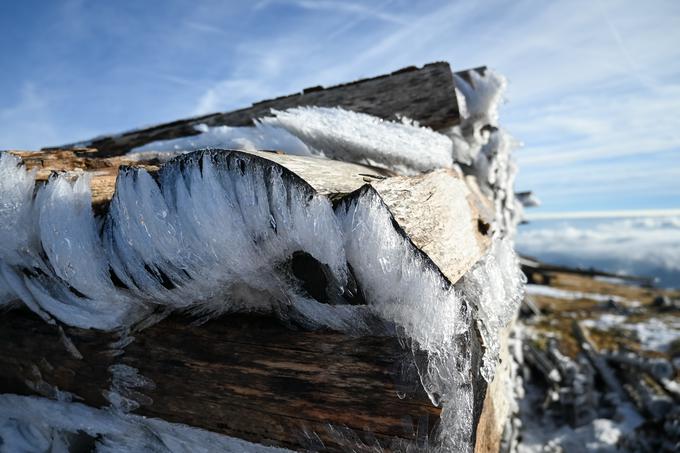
pixel 494 287
pixel 126 386
pixel 402 287
pixel 50 250
pixel 239 227
pixel 358 137
pixel 215 232
pixel 423 94
pixel 484 149
pixel 218 231
pixel 434 315
pixel 408 289
pixel 332 132
pixel 29 424
pixel 211 231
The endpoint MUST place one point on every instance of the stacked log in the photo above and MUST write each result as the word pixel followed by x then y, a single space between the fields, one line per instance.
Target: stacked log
pixel 318 352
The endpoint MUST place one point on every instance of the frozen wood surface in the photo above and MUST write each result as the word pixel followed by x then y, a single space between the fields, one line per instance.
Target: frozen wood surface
pixel 422 94
pixel 438 211
pixel 252 377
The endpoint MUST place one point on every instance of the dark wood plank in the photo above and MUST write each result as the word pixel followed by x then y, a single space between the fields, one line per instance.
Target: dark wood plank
pixel 243 376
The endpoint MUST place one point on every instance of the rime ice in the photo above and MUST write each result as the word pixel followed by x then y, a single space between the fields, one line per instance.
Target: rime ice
pixel 331 132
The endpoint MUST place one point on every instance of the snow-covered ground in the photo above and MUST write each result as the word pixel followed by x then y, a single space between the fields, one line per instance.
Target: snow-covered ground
pixel 654 334
pixel 558 293
pixel 600 435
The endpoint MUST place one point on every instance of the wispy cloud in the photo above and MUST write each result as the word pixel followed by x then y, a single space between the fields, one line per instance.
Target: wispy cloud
pixel 204 27
pixel 231 94
pixel 355 8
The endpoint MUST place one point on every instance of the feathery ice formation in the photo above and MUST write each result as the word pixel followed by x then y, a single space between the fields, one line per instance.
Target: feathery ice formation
pixel 207 232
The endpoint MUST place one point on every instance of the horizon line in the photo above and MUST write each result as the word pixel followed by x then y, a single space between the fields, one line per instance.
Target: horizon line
pixel 670 212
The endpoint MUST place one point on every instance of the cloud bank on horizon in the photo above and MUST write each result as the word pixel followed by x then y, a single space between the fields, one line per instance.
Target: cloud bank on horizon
pixel 594 85
pixel 644 246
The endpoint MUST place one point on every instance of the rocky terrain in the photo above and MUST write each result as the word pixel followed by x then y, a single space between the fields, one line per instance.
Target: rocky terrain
pixel 601 364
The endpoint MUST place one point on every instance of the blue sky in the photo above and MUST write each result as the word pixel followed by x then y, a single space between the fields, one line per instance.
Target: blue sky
pixel 594 90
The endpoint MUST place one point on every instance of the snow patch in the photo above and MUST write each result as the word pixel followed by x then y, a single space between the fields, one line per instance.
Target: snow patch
pixel 654 334
pixel 541 434
pixel 357 137
pixel 558 293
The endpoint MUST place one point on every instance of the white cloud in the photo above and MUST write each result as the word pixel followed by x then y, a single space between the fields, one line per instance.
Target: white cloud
pixel 631 213
pixel 648 246
pixel 608 124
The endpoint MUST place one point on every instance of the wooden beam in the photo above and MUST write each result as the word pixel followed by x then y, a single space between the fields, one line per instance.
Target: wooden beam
pixel 103 172
pixel 423 94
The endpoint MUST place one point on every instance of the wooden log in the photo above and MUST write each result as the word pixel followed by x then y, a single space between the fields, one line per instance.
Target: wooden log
pixel 532 267
pixel 422 94
pixel 252 377
pixel 243 376
pixel 248 377
pixel 103 172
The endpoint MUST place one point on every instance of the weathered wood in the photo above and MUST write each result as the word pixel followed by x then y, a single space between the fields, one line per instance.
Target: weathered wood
pixel 454 238
pixel 496 408
pixel 599 363
pixel 532 267
pixel 242 376
pixel 423 94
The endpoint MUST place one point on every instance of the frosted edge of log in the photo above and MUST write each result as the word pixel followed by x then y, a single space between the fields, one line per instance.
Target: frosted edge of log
pixel 40 424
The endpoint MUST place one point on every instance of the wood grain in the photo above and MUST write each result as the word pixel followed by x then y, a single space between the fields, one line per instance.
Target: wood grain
pixel 244 376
